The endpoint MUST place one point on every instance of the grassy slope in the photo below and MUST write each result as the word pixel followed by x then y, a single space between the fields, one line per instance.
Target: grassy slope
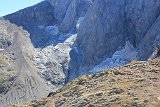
pixel 134 85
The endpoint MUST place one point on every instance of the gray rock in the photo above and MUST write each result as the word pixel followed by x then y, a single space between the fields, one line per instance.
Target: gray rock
pixel 150 41
pixel 140 16
pixel 75 10
pixel 60 8
pixel 100 34
pixel 106 27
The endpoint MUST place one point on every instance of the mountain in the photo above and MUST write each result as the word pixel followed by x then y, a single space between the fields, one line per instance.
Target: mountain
pixel 70 38
pixel 134 85
pixel 103 27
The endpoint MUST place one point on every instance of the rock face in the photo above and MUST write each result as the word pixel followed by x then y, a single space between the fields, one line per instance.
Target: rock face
pixel 108 24
pixel 103 35
pixel 140 16
pixel 76 9
pixel 69 11
pixel 150 41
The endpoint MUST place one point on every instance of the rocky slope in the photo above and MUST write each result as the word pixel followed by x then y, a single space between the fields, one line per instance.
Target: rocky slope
pixel 134 85
pixel 19 79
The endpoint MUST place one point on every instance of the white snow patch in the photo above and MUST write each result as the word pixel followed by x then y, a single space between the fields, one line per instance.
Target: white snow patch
pixel 79 22
pixel 119 58
pixel 1 49
pixel 41 27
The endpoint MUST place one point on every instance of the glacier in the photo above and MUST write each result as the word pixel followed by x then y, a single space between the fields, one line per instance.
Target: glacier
pixel 53 60
pixel 119 58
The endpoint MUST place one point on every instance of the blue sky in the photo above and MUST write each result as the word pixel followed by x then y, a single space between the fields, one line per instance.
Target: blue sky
pixel 10 6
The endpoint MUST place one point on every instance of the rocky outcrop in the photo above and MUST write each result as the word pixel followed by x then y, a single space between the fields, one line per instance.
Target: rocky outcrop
pixel 150 41
pixel 75 10
pixel 69 11
pixel 140 16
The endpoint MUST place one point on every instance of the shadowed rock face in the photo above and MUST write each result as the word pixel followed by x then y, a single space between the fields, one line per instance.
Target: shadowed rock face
pixel 109 23
pixel 75 10
pixel 140 16
pixel 69 11
pixel 60 8
pixel 100 34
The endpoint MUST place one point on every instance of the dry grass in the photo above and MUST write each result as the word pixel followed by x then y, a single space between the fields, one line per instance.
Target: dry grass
pixel 134 85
